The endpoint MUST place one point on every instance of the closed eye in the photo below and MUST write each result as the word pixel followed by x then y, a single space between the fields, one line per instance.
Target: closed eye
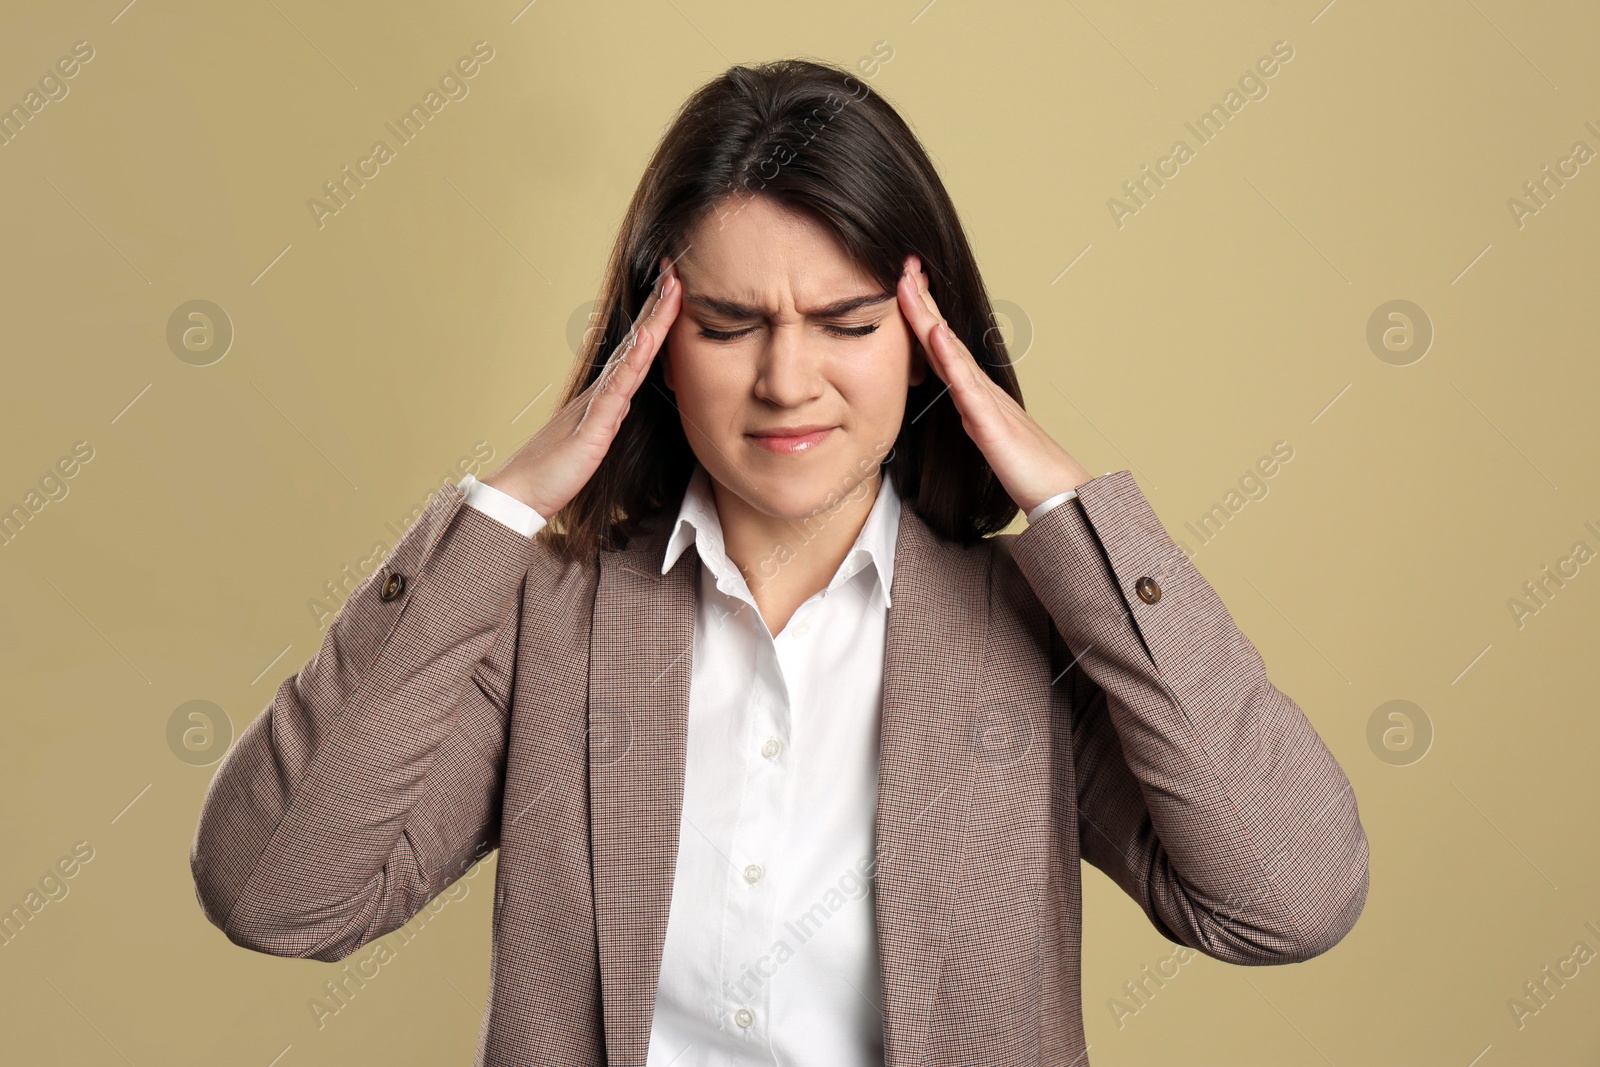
pixel 722 335
pixel 838 331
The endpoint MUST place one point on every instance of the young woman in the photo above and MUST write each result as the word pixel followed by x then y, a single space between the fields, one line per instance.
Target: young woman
pixel 790 756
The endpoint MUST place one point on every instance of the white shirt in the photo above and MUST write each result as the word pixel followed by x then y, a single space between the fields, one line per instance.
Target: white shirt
pixel 771 953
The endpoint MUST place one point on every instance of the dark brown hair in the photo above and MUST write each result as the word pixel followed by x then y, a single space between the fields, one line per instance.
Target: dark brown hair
pixel 818 141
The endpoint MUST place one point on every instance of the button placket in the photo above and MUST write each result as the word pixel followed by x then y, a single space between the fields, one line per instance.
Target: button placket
pixel 788 659
pixel 767 689
pixel 750 903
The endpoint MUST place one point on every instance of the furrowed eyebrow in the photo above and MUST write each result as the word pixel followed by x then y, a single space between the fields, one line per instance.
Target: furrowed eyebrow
pixel 732 309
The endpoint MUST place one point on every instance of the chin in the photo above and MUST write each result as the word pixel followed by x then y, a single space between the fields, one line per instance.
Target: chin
pixel 798 496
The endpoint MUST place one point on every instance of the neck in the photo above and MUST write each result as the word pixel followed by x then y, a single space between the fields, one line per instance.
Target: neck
pixel 786 561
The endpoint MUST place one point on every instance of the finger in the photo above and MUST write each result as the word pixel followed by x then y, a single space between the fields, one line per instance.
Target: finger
pixel 651 335
pixel 631 363
pixel 912 305
pixel 623 354
pixel 922 311
pixel 947 353
pixel 651 302
pixel 665 271
pixel 961 368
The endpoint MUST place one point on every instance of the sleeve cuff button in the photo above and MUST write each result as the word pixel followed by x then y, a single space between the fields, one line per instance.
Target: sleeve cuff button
pixel 393 586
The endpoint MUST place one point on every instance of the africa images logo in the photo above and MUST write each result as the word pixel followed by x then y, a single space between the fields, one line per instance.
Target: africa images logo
pixel 1252 85
pixel 452 86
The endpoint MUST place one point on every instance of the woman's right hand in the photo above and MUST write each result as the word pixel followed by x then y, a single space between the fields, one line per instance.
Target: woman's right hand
pixel 555 463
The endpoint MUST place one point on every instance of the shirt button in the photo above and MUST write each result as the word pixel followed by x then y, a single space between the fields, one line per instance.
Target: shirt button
pixel 752 873
pixel 744 1017
pixel 800 631
pixel 771 748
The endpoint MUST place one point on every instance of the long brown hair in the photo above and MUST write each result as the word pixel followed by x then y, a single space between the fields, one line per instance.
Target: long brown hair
pixel 818 141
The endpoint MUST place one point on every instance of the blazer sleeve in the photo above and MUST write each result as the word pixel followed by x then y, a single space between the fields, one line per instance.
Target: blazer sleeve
pixel 1203 790
pixel 374 777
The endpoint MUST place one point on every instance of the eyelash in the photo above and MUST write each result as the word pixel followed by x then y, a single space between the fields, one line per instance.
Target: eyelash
pixel 838 331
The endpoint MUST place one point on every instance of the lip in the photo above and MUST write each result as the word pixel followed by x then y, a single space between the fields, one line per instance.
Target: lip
pixel 791 439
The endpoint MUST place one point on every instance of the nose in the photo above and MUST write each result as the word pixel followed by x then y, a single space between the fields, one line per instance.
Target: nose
pixel 790 372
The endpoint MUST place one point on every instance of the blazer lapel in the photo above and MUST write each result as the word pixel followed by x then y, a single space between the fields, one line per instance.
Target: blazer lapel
pixel 641 653
pixel 641 649
pixel 938 625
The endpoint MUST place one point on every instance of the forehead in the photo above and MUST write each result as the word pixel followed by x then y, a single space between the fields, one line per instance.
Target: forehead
pixel 754 251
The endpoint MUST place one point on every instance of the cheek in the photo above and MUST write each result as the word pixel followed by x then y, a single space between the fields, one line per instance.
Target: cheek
pixel 875 386
pixel 881 375
pixel 702 378
pixel 900 347
pixel 686 358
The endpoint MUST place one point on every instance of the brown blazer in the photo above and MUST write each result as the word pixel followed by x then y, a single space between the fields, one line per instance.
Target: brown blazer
pixel 1077 691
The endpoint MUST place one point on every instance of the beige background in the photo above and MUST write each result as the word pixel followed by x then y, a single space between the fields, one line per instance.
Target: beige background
pixel 371 355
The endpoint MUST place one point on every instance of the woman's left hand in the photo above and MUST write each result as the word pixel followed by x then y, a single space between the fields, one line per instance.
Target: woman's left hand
pixel 1029 463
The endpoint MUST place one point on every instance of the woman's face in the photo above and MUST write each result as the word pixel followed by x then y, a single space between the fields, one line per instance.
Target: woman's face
pixel 780 331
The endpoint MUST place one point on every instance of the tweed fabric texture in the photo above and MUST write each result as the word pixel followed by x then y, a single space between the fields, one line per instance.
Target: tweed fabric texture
pixel 1037 711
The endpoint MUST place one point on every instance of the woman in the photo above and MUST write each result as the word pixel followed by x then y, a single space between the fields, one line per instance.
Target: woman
pixel 787 761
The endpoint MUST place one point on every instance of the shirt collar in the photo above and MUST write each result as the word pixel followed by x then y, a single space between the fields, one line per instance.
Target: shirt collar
pixel 698 524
